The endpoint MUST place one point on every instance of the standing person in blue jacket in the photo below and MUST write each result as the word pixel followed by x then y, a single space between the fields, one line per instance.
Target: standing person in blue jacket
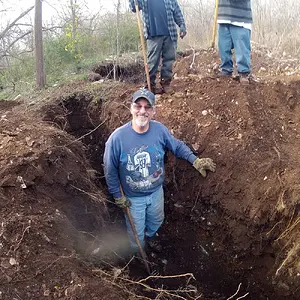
pixel 134 159
pixel 161 18
pixel 235 24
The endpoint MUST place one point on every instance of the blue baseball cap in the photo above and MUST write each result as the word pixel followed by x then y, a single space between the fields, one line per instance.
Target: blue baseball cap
pixel 146 94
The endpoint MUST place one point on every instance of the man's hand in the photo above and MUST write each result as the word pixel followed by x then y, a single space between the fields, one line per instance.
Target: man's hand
pixel 203 164
pixel 182 34
pixel 122 202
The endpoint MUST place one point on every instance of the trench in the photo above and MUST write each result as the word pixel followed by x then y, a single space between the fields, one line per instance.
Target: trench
pixel 194 236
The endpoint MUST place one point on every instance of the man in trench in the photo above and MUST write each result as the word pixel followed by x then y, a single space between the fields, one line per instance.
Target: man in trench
pixel 134 168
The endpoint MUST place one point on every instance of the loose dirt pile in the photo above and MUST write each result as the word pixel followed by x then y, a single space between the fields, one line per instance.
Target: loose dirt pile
pixel 238 227
pixel 265 64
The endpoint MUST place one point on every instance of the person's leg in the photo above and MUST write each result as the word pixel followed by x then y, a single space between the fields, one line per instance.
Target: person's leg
pixel 168 57
pixel 155 212
pixel 241 40
pixel 154 50
pixel 225 48
pixel 138 214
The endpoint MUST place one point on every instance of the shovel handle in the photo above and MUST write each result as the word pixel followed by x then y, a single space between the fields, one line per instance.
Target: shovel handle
pixel 215 25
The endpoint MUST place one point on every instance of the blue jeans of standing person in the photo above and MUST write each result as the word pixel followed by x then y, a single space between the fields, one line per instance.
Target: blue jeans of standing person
pixel 161 47
pixel 237 38
pixel 148 214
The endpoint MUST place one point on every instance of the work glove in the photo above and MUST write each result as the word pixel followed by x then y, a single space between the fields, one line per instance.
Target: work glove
pixel 203 164
pixel 122 202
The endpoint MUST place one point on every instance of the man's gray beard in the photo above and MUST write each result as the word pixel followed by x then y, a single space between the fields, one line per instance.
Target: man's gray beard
pixel 141 123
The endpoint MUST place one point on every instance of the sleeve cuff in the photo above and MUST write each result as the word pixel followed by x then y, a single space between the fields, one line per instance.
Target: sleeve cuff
pixel 182 28
pixel 192 158
pixel 117 195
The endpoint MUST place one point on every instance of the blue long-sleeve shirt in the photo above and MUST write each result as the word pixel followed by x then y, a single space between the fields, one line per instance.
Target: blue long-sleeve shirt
pixel 174 17
pixel 136 160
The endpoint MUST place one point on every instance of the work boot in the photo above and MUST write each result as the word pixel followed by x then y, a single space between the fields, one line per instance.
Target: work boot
pixel 224 74
pixel 244 78
pixel 166 85
pixel 154 244
pixel 154 88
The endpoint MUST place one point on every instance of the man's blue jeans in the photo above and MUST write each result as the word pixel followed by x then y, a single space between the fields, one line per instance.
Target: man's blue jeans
pixel 148 214
pixel 237 38
pixel 161 47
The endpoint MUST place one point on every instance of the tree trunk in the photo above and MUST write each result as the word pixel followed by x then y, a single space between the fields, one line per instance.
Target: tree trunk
pixel 39 54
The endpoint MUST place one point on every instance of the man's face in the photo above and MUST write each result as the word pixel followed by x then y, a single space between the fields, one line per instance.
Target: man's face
pixel 142 112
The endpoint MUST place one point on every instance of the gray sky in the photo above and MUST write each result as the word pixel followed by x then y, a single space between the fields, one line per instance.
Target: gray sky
pixel 15 7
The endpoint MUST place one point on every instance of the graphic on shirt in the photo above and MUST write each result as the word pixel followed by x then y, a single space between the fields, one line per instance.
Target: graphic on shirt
pixel 144 166
pixel 143 163
pixel 130 165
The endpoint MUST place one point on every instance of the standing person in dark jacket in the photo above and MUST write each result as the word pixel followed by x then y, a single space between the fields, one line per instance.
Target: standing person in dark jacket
pixel 134 160
pixel 235 24
pixel 161 18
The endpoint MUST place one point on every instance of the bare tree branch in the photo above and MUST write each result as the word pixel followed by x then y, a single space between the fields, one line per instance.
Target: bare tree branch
pixel 12 43
pixel 19 56
pixel 21 24
pixel 52 28
pixel 3 33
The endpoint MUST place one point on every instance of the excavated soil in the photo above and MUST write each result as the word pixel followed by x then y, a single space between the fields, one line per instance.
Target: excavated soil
pixel 235 232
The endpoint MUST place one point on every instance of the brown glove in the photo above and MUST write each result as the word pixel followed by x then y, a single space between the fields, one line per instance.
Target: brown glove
pixel 122 202
pixel 203 164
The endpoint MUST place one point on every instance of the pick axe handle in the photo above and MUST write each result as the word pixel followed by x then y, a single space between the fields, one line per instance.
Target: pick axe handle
pixel 140 24
pixel 143 254
pixel 137 240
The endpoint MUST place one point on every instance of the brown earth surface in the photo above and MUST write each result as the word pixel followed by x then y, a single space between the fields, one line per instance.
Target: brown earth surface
pixel 235 232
